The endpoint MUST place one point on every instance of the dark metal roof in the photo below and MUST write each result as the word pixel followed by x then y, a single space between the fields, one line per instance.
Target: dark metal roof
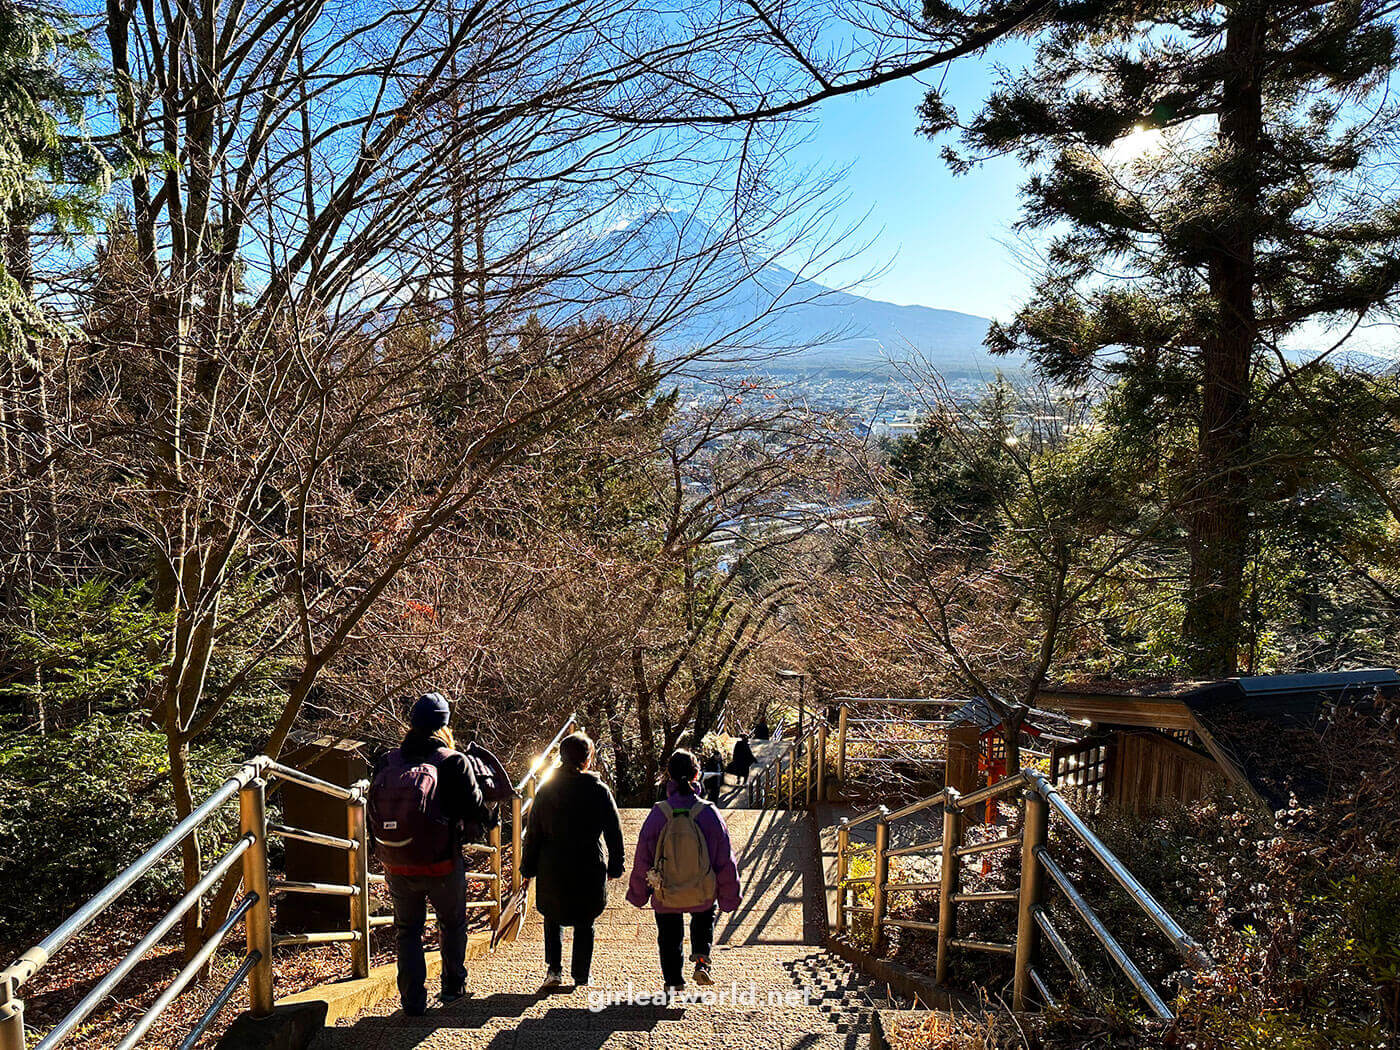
pixel 1253 724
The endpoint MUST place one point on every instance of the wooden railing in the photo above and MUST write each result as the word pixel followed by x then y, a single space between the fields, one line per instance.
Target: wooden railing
pixel 806 772
pixel 902 730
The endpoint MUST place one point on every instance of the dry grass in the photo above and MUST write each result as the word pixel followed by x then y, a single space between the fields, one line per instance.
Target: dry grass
pixel 940 1031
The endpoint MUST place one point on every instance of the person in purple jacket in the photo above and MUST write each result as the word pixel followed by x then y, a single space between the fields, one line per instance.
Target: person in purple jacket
pixel 716 875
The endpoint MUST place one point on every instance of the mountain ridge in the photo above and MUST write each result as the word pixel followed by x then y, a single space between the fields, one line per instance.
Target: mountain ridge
pixel 795 324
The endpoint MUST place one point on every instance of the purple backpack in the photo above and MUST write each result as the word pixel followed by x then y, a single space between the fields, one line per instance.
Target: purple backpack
pixel 411 834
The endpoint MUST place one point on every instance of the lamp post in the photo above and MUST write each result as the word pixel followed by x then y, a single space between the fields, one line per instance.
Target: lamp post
pixel 800 677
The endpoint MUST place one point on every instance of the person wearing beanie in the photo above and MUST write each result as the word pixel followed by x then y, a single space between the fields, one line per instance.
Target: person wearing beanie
pixel 573 819
pixel 413 881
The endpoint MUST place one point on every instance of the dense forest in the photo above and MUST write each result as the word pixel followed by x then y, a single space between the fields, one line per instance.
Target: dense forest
pixel 330 372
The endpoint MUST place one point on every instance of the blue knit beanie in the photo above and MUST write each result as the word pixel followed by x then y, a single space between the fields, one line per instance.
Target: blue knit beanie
pixel 429 712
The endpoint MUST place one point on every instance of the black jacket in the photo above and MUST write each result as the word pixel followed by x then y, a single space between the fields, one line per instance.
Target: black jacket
pixel 458 792
pixel 743 758
pixel 573 815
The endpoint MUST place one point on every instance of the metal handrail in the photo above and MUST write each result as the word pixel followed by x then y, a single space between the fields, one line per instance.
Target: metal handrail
pixel 1039 799
pixel 100 991
pixel 540 760
pixel 187 974
pixel 932 701
pixel 1110 943
pixel 250 785
pixel 1182 941
pixel 28 964
pixel 306 780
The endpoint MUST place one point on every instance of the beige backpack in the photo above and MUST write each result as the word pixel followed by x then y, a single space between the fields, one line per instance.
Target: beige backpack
pixel 681 874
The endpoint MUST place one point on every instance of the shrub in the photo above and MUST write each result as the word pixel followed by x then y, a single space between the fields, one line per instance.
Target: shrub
pixel 75 808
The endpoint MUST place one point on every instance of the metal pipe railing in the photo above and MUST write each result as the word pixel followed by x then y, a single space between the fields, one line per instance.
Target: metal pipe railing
pixel 23 968
pixel 1038 801
pixel 1182 941
pixel 903 700
pixel 103 988
pixel 1115 950
pixel 183 978
pixel 306 780
pixel 220 1001
pixel 250 783
pixel 316 838
pixel 529 780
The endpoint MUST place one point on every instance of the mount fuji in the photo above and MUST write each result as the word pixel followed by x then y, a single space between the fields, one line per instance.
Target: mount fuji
pixel 788 323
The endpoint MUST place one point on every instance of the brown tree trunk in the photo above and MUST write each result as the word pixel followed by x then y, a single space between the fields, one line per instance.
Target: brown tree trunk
pixel 179 755
pixel 1218 512
pixel 650 763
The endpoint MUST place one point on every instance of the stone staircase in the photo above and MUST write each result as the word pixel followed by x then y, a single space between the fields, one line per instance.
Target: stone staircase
pixel 776 987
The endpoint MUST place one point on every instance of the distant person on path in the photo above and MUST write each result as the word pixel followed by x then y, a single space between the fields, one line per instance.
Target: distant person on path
pixel 574 815
pixel 422 799
pixel 743 759
pixel 761 730
pixel 714 776
pixel 684 865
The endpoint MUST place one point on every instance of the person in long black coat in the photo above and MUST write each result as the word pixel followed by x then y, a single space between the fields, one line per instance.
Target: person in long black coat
pixel 573 818
pixel 743 759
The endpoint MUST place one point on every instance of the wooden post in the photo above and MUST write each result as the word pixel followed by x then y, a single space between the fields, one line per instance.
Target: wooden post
pixel 948 883
pixel 792 770
pixel 1034 831
pixel 515 835
pixel 494 840
pixel 11 1018
pixel 252 817
pixel 960 767
pixel 801 706
pixel 807 775
pixel 882 873
pixel 821 760
pixel 843 835
pixel 841 748
pixel 358 859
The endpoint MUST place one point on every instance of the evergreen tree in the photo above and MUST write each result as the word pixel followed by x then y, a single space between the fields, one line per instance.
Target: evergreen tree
pixel 1213 180
pixel 46 170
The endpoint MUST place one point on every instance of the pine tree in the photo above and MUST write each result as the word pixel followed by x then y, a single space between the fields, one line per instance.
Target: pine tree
pixel 1212 179
pixel 48 169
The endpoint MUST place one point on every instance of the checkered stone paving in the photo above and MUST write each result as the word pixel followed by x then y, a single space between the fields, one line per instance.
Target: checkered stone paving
pixel 775 986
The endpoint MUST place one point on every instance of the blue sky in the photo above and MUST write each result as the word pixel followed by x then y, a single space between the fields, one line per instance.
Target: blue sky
pixel 943 240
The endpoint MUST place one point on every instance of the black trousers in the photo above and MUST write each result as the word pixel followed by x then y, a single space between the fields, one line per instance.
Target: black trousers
pixel 582 961
pixel 411 894
pixel 670 938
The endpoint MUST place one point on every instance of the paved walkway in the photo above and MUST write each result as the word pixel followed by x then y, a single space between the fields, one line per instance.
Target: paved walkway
pixel 735 793
pixel 768 951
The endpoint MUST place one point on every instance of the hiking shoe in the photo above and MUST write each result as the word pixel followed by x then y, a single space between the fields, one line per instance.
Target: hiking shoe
pixel 584 981
pixel 702 971
pixel 677 993
pixel 553 979
pixel 447 996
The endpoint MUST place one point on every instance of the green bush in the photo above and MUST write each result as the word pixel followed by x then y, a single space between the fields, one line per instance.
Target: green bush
pixel 75 808
pixel 81 801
